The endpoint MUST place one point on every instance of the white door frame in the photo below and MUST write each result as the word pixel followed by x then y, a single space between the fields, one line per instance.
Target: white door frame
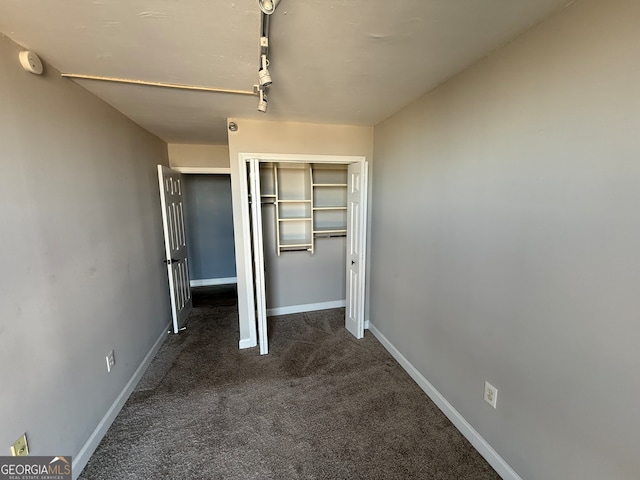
pixel 258 255
pixel 246 281
pixel 208 171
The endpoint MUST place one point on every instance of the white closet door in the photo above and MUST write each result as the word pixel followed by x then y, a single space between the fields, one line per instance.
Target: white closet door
pixel 258 255
pixel 356 247
pixel 175 242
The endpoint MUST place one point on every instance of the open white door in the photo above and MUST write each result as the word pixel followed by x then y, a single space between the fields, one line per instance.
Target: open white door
pixel 175 243
pixel 356 247
pixel 258 255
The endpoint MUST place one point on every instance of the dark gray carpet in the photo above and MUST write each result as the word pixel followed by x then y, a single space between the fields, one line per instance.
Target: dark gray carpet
pixel 321 405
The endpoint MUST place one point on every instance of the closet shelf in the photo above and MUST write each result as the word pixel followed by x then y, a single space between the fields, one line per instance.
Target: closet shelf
pixel 294 243
pixel 336 229
pixel 329 186
pixel 310 202
pixel 294 219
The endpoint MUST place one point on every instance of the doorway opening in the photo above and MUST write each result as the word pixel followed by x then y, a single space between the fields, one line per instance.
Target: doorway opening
pixel 196 214
pixel 297 219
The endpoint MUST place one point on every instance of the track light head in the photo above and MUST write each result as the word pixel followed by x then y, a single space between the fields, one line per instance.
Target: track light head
pixel 268 6
pixel 265 78
pixel 262 103
pixel 263 73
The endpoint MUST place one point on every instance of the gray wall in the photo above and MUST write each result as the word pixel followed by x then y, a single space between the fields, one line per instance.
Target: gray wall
pixel 299 278
pixel 506 238
pixel 81 256
pixel 209 224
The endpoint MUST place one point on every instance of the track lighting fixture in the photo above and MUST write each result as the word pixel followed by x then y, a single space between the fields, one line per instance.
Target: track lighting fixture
pixel 263 72
pixel 262 104
pixel 268 6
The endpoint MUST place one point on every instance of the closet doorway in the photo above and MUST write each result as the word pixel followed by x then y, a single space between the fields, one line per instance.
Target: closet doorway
pixel 189 214
pixel 303 214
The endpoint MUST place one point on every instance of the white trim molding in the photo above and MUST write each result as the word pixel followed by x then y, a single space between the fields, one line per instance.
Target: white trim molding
pixel 309 307
pixel 479 443
pixel 208 282
pixel 203 170
pixel 246 343
pixel 246 304
pixel 80 460
pixel 300 158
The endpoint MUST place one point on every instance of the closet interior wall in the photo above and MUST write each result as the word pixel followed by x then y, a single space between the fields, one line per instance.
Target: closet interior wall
pixel 209 226
pixel 307 266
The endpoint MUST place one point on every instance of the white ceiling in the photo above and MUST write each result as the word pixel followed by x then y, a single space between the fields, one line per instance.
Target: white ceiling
pixel 332 61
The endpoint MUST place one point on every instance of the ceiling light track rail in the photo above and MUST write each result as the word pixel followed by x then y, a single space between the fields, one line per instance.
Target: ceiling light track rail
pixel 264 77
pixel 176 86
pixel 267 7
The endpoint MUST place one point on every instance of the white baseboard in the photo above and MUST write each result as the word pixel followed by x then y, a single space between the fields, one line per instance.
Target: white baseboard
pixel 246 343
pixel 479 443
pixel 208 282
pixel 309 307
pixel 80 460
pixel 366 324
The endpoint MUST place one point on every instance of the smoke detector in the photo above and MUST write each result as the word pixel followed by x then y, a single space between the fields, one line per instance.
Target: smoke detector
pixel 31 62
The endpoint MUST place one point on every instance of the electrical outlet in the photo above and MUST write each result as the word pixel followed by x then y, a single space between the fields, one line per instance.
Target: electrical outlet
pixel 490 394
pixel 20 447
pixel 111 361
